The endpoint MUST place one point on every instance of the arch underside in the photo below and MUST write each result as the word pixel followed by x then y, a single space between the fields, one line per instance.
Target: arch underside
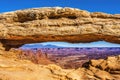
pixel 57 24
pixel 17 42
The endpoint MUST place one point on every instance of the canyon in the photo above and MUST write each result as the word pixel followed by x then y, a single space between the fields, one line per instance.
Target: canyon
pixel 68 58
pixel 56 24
pixel 13 67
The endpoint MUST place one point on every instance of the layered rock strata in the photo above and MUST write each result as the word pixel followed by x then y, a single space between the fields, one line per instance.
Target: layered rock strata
pixel 57 24
pixel 12 68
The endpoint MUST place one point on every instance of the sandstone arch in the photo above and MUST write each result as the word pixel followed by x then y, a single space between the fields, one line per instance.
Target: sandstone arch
pixel 57 24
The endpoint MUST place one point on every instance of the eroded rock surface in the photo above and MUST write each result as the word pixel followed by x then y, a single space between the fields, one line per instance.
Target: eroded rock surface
pixel 13 68
pixel 57 24
pixel 100 67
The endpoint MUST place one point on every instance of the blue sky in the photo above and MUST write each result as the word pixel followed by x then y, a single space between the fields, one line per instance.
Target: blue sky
pixel 91 44
pixel 65 44
pixel 107 6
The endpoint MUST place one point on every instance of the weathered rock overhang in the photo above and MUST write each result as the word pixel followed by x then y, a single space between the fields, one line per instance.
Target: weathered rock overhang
pixel 57 24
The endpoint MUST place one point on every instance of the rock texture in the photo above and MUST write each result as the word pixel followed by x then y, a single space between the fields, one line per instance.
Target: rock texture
pixel 110 65
pixel 12 68
pixel 57 24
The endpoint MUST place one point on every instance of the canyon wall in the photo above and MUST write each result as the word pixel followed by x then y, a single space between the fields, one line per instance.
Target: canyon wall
pixel 57 24
pixel 13 68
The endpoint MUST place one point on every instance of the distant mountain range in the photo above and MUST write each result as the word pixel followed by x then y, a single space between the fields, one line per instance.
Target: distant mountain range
pixel 31 46
pixel 41 46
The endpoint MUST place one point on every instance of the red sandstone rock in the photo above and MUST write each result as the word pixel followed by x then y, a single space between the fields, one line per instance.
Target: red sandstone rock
pixel 57 24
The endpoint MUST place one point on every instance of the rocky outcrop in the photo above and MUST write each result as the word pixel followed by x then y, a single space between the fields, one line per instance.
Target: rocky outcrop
pixel 100 67
pixel 37 57
pixel 13 68
pixel 57 24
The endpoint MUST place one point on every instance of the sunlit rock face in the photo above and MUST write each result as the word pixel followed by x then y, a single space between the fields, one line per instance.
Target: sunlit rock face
pixel 13 68
pixel 57 24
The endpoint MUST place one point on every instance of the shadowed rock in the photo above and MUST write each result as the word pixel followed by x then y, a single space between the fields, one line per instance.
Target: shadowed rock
pixel 13 68
pixel 57 24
